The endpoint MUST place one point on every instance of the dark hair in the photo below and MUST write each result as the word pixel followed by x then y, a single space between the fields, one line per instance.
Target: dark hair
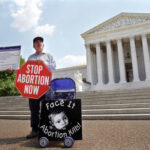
pixel 38 38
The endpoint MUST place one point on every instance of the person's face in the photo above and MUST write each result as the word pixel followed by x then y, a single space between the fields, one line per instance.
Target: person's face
pixel 38 45
pixel 60 121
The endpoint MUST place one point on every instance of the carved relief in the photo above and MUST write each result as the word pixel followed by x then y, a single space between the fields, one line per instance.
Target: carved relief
pixel 121 22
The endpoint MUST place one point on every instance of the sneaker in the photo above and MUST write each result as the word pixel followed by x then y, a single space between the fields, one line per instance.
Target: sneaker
pixel 32 134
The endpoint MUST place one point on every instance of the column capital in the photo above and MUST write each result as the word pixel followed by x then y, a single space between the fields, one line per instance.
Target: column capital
pixel 119 39
pixel 108 41
pixel 87 46
pixel 131 37
pixel 97 43
pixel 143 35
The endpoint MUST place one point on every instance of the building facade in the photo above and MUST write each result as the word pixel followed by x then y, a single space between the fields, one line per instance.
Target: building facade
pixel 77 73
pixel 118 52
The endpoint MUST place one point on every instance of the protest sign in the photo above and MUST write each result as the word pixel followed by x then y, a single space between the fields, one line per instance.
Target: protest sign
pixel 10 57
pixel 60 119
pixel 33 79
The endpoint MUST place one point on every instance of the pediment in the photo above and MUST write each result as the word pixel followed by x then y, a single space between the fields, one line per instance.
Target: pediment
pixel 120 21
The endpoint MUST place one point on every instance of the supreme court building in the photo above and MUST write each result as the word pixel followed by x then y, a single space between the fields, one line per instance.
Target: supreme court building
pixel 118 52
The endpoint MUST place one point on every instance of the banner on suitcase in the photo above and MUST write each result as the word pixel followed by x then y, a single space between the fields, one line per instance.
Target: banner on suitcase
pixel 61 118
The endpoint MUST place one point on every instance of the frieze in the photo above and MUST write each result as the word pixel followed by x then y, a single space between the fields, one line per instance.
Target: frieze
pixel 121 23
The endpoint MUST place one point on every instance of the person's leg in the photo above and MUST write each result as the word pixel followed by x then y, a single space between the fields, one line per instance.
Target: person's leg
pixel 34 106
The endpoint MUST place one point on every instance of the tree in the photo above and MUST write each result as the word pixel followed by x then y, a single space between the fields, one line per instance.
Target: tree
pixel 7 79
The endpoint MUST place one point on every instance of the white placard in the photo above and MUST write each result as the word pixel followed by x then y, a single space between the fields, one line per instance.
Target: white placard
pixel 10 57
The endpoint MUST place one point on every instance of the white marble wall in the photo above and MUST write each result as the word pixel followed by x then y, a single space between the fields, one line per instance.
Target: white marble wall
pixel 77 73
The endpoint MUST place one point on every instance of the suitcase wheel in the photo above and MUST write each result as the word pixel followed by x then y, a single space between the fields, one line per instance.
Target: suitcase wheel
pixel 68 142
pixel 43 142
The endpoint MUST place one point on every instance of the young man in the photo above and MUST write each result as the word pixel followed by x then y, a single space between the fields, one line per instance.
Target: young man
pixel 34 105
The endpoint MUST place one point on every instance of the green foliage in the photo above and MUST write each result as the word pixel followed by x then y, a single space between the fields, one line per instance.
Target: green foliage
pixel 7 79
pixel 22 61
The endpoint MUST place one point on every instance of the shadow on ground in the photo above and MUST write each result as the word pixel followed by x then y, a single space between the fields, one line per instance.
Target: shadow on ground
pixel 12 140
pixel 33 143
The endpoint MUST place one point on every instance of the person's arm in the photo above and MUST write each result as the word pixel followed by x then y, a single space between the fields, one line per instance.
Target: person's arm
pixel 52 63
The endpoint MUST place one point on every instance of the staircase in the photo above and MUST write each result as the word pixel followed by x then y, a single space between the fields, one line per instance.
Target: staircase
pixel 118 104
pixel 14 107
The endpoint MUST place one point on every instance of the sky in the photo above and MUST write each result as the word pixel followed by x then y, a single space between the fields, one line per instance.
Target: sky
pixel 60 23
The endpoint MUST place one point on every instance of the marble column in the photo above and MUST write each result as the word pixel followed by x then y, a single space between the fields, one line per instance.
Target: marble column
pixel 121 61
pixel 134 60
pixel 110 62
pixel 146 56
pixel 89 63
pixel 99 64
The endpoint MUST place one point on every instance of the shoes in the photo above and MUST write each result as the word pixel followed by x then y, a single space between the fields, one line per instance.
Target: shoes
pixel 32 134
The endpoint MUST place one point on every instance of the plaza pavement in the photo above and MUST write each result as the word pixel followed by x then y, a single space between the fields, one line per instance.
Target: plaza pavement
pixel 97 135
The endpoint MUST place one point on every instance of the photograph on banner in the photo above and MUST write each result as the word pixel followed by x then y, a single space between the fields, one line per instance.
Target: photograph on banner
pixel 10 57
pixel 61 118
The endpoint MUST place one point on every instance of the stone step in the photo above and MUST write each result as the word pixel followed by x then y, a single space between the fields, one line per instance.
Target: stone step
pixel 14 108
pixel 140 95
pixel 99 96
pixel 14 112
pixel 116 97
pixel 133 100
pixel 91 111
pixel 106 106
pixel 90 101
pixel 7 98
pixel 15 117
pixel 94 101
pixel 117 92
pixel 90 117
pixel 103 102
pixel 13 104
pixel 92 104
pixel 117 111
pixel 12 101
pixel 117 117
pixel 115 106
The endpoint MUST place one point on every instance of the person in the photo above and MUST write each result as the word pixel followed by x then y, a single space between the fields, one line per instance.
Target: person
pixel 34 105
pixel 58 120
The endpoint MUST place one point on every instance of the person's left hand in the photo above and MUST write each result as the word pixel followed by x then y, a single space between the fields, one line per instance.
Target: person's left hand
pixel 39 61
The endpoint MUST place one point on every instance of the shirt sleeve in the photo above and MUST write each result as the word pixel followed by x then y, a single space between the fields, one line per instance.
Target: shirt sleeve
pixel 52 63
pixel 29 58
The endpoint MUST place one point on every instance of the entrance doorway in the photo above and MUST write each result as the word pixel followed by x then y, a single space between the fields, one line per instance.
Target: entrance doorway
pixel 129 72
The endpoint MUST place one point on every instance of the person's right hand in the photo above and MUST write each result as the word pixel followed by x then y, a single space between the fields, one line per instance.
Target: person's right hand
pixel 9 69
